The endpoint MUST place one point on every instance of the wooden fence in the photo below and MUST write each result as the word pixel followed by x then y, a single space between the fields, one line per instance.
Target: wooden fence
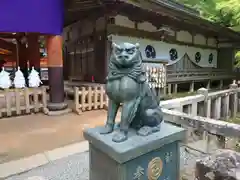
pixel 22 101
pixel 212 107
pixel 90 98
pixel 206 114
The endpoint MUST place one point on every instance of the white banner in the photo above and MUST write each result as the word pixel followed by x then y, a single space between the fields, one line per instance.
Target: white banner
pixel 171 52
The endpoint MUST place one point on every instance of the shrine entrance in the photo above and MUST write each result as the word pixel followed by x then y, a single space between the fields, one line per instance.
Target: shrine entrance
pixel 86 53
pixel 80 55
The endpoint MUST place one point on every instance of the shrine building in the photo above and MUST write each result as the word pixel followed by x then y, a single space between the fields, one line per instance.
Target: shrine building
pixel 198 52
pixel 78 36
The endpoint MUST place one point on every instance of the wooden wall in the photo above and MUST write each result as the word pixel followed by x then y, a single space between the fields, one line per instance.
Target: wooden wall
pixel 85 43
pixel 178 36
pixel 183 65
pixel 226 58
pixel 198 40
pixel 87 49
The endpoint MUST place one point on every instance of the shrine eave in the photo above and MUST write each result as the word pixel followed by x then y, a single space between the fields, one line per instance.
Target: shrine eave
pixel 170 12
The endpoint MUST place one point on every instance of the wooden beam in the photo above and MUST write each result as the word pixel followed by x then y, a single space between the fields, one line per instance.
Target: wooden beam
pixel 125 31
pixel 159 19
pixel 94 13
pixel 10 35
pixel 7 45
pixel 181 18
pixel 157 13
pixel 7 35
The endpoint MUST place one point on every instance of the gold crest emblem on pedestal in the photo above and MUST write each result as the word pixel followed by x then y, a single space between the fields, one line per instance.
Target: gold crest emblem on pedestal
pixel 155 167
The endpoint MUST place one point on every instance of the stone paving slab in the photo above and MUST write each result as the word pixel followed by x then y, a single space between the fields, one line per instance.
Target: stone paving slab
pixel 22 165
pixel 58 160
pixel 28 163
pixel 76 167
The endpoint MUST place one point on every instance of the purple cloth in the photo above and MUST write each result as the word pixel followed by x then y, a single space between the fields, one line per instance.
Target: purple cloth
pixel 44 16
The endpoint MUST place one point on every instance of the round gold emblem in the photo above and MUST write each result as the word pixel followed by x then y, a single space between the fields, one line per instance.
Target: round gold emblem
pixel 155 167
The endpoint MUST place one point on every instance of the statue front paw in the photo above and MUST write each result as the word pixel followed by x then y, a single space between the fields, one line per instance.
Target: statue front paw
pixel 107 129
pixel 144 131
pixel 120 137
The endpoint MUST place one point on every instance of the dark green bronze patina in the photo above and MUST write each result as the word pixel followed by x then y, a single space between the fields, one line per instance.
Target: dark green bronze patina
pixel 126 85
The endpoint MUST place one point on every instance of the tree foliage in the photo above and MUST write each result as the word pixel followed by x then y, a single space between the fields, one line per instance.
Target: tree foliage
pixel 224 12
pixel 237 59
pixel 230 7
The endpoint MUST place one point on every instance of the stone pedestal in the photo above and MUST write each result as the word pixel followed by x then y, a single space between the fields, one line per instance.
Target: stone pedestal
pixel 155 157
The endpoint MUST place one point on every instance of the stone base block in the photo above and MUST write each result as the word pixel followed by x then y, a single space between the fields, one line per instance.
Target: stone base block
pixel 57 106
pixel 155 157
pixel 222 165
pixel 57 113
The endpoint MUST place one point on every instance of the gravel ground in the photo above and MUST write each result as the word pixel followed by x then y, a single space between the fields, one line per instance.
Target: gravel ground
pixel 188 161
pixel 75 167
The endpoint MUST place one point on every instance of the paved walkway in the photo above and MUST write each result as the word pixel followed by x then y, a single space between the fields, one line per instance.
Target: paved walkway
pixel 24 136
pixel 76 167
pixel 27 163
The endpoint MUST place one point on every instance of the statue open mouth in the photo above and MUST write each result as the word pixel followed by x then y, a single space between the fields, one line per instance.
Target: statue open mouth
pixel 124 66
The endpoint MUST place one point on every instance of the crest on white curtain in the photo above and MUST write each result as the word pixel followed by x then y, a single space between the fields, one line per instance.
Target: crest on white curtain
pixel 206 57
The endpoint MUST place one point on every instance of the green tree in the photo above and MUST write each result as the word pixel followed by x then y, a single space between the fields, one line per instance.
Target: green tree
pixel 224 12
pixel 237 59
pixel 230 7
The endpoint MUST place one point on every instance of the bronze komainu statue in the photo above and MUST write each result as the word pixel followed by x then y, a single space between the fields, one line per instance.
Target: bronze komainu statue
pixel 126 85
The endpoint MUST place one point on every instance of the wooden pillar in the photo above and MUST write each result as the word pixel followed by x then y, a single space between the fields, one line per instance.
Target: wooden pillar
pixel 238 102
pixel 201 109
pixel 221 84
pixel 209 85
pixel 206 102
pixel 22 58
pixel 33 51
pixel 217 108
pixel 55 73
pixel 233 100
pixel 102 50
pixel 206 113
pixel 164 71
pixel 225 107
pixel 165 91
pixel 191 87
pixel 169 89
pixel 194 109
pixel 190 130
pixel 175 88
